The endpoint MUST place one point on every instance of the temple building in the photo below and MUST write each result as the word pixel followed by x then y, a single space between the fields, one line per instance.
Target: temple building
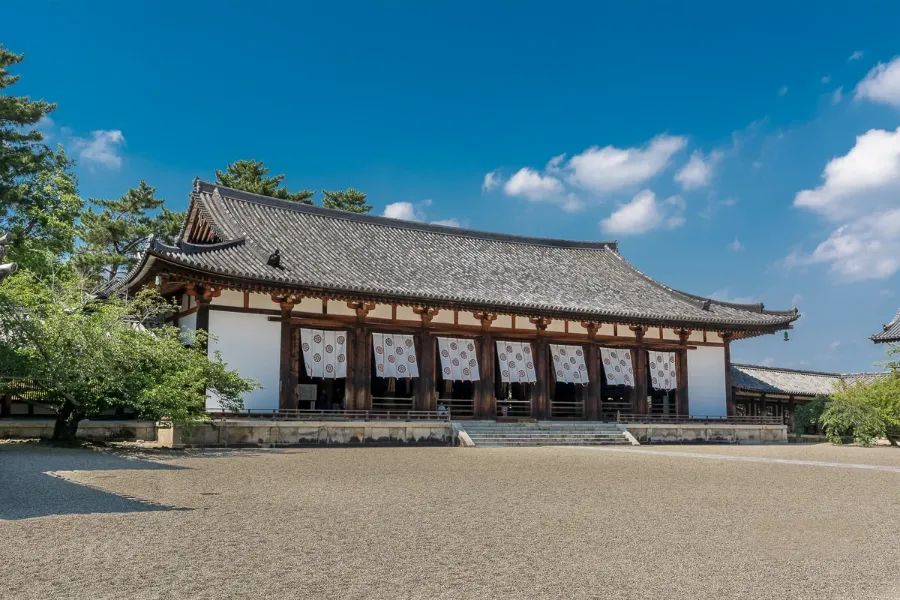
pixel 889 333
pixel 335 310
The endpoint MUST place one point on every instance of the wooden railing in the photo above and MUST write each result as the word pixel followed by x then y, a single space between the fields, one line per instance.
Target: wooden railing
pixel 391 404
pixel 698 419
pixel 560 409
pixel 333 415
pixel 460 407
pixel 514 408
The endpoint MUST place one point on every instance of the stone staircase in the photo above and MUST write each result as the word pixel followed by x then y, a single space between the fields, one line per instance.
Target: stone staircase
pixel 490 434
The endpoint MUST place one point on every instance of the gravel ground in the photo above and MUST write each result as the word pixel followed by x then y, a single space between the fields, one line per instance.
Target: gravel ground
pixel 449 523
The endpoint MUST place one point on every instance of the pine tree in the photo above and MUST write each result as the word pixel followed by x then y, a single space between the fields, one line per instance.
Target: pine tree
pixel 39 200
pixel 350 200
pixel 113 235
pixel 250 176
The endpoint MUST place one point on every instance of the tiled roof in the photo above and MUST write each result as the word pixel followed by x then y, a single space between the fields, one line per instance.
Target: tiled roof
pixel 889 332
pixel 369 256
pixel 773 380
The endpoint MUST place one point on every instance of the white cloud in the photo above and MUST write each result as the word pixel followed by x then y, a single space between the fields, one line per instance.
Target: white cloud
pixel 834 346
pixel 857 54
pixel 767 362
pixel 796 299
pixel 838 95
pixel 408 211
pixel 861 195
pixel 645 213
pixel 698 171
pixel 730 201
pixel 783 90
pixel 404 210
pixel 868 176
pixel 610 169
pixel 530 184
pixel 881 84
pixel 736 245
pixel 103 148
pixel 723 295
pixel 554 164
pixel 447 222
pixel 757 164
pixel 826 79
pixel 491 181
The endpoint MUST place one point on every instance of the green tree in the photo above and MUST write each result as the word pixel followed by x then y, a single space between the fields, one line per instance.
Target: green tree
pixel 251 176
pixel 39 200
pixel 350 200
pixel 807 415
pixel 852 418
pixel 114 234
pixel 86 356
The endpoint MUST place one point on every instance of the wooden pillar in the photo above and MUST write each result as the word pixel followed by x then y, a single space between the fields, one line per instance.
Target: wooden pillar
pixel 592 356
pixel 362 357
pixel 729 385
pixel 286 393
pixel 681 374
pixel 540 396
pixel 681 361
pixel 350 381
pixel 485 401
pixel 639 398
pixel 424 398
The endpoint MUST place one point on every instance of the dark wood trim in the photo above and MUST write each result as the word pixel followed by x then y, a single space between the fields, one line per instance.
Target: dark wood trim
pixel 592 403
pixel 485 402
pixel 286 393
pixel 639 362
pixel 729 390
pixel 682 402
pixel 246 300
pixel 250 311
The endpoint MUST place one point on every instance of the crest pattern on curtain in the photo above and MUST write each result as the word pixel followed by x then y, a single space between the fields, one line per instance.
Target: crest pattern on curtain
pixel 662 370
pixel 568 363
pixel 617 366
pixel 324 352
pixel 516 362
pixel 458 360
pixel 395 355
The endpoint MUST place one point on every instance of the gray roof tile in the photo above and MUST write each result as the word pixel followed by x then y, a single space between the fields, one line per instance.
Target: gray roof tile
pixel 774 380
pixel 378 256
pixel 889 332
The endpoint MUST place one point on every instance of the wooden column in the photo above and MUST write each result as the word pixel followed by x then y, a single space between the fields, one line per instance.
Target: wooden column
pixel 351 379
pixel 593 400
pixel 286 392
pixel 639 399
pixel 729 389
pixel 425 397
pixel 540 398
pixel 485 401
pixel 361 358
pixel 203 297
pixel 681 362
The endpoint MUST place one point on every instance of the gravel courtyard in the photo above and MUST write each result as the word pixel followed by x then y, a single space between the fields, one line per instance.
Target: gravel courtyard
pixel 664 522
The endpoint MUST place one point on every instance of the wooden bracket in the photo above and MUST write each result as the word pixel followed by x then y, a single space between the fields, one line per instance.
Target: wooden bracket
pixel 362 308
pixel 427 313
pixel 592 327
pixel 486 319
pixel 540 323
pixel 683 335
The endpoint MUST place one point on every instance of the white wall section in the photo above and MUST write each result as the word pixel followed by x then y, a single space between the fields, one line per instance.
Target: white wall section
pixel 706 382
pixel 250 344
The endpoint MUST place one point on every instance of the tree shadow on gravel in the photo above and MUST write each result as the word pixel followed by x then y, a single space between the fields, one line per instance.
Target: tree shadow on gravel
pixel 30 485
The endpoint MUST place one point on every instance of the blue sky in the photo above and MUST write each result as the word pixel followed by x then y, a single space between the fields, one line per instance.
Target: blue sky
pixel 750 154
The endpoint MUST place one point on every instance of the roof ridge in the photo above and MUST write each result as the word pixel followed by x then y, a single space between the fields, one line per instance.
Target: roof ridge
pixel 205 186
pixel 785 370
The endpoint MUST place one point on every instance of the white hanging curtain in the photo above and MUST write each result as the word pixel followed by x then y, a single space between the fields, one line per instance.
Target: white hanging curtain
pixel 568 363
pixel 516 362
pixel 458 361
pixel 395 355
pixel 324 352
pixel 617 366
pixel 662 370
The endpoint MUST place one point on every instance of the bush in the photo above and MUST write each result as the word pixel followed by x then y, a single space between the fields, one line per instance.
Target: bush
pixel 807 415
pixel 854 418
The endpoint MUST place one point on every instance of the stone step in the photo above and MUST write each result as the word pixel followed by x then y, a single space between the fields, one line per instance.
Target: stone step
pixel 508 444
pixel 538 436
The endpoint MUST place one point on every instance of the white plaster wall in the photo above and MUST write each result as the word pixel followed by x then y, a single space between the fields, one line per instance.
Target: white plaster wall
pixel 187 324
pixel 251 344
pixel 706 381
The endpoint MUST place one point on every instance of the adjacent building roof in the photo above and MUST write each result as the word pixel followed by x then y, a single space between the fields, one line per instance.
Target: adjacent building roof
pixel 374 257
pixel 774 380
pixel 889 332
